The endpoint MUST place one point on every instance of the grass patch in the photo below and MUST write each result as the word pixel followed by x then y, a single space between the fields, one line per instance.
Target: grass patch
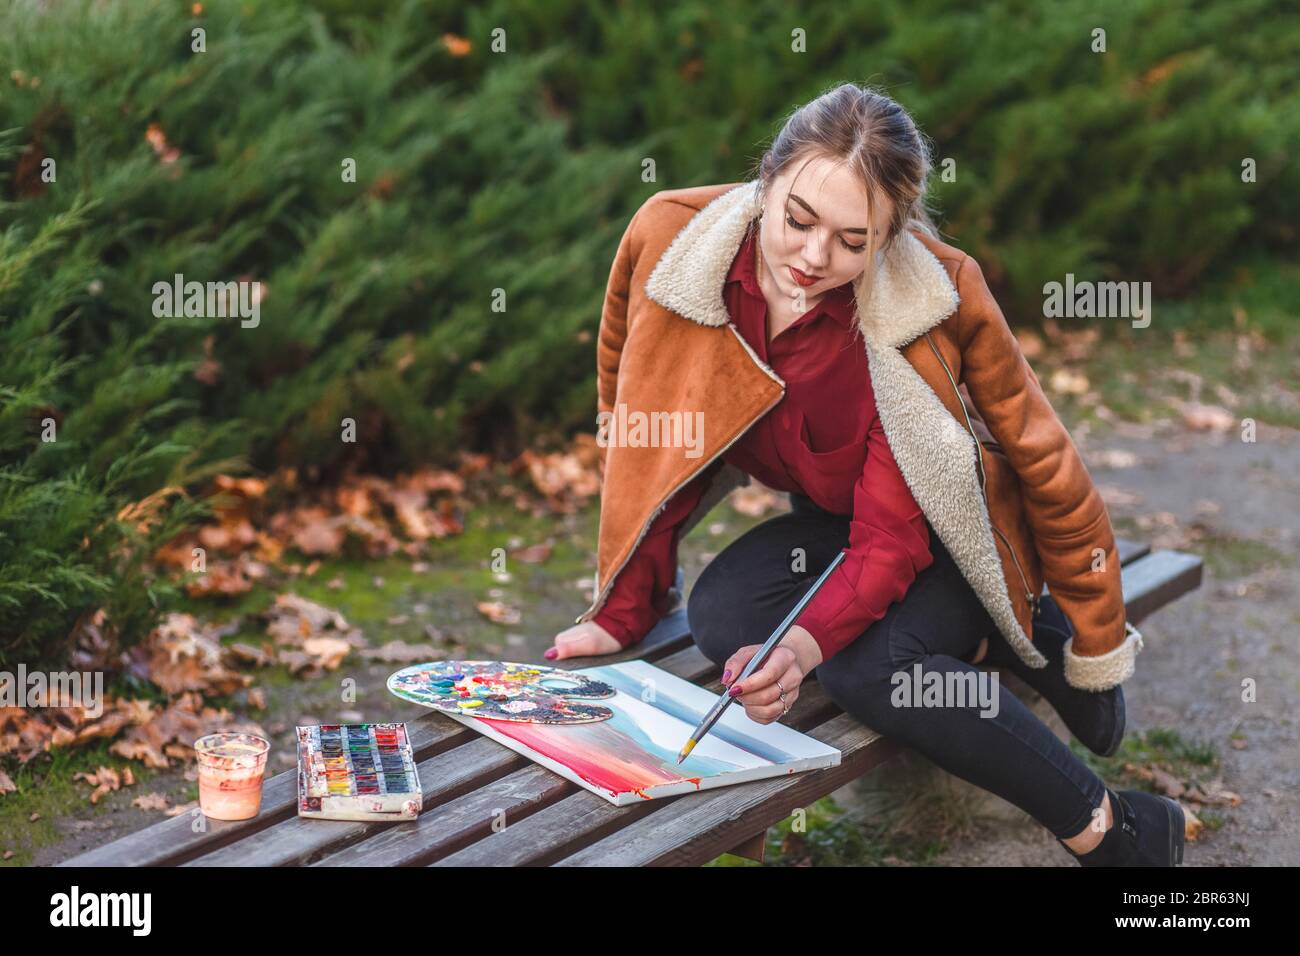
pixel 46 786
pixel 905 813
pixel 1192 761
pixel 1227 556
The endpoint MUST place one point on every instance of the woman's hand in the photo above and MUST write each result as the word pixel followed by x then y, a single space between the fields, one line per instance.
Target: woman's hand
pixel 790 661
pixel 759 693
pixel 583 640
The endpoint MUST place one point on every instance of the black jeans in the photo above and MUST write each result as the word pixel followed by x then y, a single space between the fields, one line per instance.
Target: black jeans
pixel 746 591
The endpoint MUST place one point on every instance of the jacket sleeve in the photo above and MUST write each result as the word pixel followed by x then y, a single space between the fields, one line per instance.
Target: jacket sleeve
pixel 1063 509
pixel 639 594
pixel 889 545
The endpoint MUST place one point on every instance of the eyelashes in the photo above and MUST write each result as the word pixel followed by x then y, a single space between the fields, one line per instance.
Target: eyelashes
pixel 804 227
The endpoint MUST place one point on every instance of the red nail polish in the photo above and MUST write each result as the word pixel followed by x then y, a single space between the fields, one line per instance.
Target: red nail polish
pixel 725 675
pixel 550 653
pixel 734 691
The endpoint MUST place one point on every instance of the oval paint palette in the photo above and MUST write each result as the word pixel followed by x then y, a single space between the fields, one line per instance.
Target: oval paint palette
pixel 503 690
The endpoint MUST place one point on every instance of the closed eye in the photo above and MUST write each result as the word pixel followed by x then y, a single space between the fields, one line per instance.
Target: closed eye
pixel 805 226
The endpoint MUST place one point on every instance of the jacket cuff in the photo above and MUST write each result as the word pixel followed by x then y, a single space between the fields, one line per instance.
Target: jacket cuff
pixel 625 634
pixel 1103 671
pixel 818 621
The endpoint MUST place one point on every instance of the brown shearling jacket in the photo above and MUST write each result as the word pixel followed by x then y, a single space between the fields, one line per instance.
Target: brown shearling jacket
pixel 976 440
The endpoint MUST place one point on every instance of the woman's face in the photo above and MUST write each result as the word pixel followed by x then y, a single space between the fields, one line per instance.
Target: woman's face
pixel 816 240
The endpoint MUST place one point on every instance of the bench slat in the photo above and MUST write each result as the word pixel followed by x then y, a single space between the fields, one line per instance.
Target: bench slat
pixel 454 824
pixel 1157 579
pixel 1130 550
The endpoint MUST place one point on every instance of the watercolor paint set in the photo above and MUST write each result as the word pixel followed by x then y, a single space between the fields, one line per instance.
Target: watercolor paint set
pixel 357 772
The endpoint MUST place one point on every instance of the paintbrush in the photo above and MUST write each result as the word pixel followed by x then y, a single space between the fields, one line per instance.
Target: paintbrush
pixel 757 660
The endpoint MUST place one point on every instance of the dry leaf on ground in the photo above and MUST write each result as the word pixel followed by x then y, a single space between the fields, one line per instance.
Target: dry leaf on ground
pixel 498 612
pixel 151 801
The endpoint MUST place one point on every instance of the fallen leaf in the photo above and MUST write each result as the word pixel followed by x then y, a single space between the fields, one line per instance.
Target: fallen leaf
pixel 181 654
pixel 1207 417
pixel 318 532
pixel 327 651
pixel 1214 793
pixel 104 780
pixel 1115 496
pixel 151 801
pixel 172 732
pixel 1068 382
pixel 1112 458
pixel 498 612
pixel 1167 783
pixel 248 654
pixel 533 554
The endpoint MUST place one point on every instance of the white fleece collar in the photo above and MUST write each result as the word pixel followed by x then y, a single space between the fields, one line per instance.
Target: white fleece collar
pixel 912 291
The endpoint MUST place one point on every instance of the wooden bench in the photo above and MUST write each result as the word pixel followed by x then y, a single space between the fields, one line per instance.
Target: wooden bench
pixel 471 783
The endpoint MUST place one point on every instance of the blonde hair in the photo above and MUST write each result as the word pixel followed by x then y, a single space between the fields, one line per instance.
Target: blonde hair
pixel 868 131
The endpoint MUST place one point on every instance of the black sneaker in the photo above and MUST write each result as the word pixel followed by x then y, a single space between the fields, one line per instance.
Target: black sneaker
pixel 1148 830
pixel 1096 718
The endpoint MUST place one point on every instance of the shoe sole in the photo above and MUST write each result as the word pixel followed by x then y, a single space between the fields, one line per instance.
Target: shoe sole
pixel 1177 828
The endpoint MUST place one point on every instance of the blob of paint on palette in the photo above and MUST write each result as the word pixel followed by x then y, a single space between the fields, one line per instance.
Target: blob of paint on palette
pixel 503 690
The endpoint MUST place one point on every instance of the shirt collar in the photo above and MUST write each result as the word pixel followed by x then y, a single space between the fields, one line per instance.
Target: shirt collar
pixel 839 303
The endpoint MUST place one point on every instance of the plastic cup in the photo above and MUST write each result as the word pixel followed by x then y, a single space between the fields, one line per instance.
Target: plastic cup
pixel 231 768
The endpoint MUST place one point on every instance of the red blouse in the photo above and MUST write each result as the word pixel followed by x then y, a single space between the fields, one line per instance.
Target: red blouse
pixel 823 440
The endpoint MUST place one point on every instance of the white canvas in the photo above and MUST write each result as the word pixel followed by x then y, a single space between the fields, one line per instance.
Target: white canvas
pixel 632 756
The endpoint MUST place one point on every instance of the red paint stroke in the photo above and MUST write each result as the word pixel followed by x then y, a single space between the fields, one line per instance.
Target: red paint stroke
pixel 599 754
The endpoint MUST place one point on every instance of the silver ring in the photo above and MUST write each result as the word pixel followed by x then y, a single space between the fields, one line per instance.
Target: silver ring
pixel 785 708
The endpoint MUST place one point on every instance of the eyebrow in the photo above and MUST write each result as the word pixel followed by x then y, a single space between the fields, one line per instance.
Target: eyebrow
pixel 813 212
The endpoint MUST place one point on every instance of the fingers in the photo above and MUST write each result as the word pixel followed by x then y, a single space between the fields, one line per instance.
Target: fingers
pixel 737 661
pixel 582 641
pixel 776 665
pixel 764 704
pixel 771 693
pixel 766 713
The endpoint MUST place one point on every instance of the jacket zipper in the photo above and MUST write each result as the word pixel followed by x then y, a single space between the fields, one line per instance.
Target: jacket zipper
pixel 1032 598
pixel 663 504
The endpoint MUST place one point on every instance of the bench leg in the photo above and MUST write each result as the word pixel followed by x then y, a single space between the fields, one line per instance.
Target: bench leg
pixel 753 848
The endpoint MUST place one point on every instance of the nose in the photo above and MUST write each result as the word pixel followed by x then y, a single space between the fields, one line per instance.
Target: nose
pixel 814 253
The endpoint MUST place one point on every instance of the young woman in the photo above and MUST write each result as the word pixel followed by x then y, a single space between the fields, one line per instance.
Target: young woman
pixel 834 348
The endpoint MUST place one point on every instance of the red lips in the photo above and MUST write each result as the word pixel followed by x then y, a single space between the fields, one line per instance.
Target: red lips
pixel 803 278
